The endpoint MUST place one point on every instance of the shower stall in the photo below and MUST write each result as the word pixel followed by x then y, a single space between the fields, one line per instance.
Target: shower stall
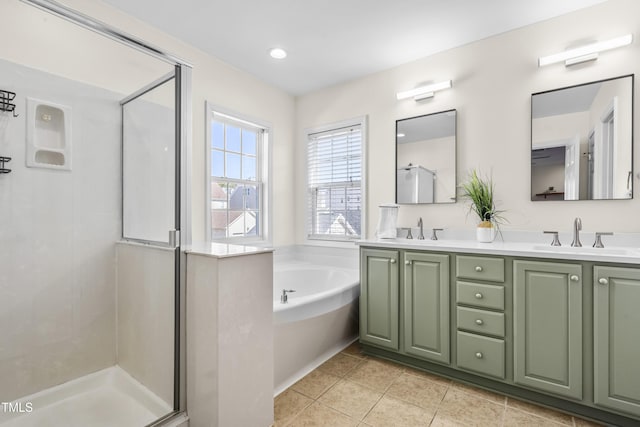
pixel 94 131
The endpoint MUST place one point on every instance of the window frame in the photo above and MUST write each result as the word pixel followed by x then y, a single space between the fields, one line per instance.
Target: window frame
pixel 263 172
pixel 329 240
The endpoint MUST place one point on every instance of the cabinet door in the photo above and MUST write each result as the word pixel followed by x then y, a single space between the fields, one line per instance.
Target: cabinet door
pixel 426 306
pixel 379 297
pixel 617 338
pixel 548 326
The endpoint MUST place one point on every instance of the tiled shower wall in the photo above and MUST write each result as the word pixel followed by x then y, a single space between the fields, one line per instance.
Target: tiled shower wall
pixel 57 239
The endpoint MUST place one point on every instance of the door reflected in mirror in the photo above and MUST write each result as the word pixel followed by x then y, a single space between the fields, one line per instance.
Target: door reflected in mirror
pixel 582 142
pixel 426 159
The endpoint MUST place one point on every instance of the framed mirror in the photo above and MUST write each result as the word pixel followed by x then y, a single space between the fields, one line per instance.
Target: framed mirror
pixel 426 159
pixel 582 142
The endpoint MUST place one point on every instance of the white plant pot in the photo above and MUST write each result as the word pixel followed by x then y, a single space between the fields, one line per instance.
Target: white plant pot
pixel 485 234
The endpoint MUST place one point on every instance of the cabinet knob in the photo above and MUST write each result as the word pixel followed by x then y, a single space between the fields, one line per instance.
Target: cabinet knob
pixel 392 260
pixel 479 355
pixel 478 268
pixel 407 262
pixel 603 281
pixel 574 278
pixel 479 322
pixel 479 295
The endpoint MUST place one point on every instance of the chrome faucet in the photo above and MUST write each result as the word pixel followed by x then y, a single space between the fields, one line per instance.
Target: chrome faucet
pixel 577 226
pixel 284 297
pixel 421 235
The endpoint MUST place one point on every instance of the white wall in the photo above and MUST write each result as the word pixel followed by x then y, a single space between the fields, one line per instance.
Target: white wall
pixel 493 80
pixel 57 234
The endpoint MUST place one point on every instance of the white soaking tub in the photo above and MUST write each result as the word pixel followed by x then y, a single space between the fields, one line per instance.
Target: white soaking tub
pixel 320 318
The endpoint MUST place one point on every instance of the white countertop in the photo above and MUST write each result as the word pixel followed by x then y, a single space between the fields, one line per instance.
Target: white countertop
pixel 224 250
pixel 626 255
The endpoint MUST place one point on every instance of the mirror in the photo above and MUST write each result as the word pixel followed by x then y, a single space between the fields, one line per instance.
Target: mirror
pixel 582 142
pixel 426 159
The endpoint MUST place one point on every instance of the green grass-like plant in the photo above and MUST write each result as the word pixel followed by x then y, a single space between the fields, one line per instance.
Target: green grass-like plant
pixel 480 192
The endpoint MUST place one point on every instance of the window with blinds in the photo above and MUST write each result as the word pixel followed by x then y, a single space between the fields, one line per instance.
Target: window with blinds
pixel 334 164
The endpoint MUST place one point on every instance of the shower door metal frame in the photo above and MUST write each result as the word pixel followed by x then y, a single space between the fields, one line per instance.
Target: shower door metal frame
pixel 183 127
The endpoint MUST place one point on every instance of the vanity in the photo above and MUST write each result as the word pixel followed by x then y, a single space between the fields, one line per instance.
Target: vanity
pixel 559 326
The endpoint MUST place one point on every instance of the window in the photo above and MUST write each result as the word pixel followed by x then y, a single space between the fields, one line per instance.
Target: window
pixel 334 182
pixel 236 178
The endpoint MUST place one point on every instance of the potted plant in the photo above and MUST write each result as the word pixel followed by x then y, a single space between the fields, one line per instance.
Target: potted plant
pixel 480 192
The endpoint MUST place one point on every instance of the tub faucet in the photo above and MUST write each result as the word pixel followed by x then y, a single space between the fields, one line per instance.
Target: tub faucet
pixel 421 235
pixel 284 297
pixel 577 226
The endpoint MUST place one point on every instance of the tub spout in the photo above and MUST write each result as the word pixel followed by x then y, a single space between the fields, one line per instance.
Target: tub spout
pixel 284 297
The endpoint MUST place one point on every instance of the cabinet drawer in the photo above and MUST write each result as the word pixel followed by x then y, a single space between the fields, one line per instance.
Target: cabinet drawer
pixel 482 321
pixel 480 354
pixel 480 268
pixel 480 295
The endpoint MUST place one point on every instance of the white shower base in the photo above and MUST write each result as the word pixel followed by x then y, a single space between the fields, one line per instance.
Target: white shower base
pixel 107 398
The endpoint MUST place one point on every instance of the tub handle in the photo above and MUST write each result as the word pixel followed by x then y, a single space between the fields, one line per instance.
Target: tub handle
pixel 284 297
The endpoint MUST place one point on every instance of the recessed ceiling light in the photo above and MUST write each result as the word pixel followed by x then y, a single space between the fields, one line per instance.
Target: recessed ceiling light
pixel 400 135
pixel 278 53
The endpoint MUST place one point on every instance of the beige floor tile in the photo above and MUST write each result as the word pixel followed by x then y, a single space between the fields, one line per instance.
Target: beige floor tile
pixel 391 412
pixel 318 415
pixel 540 411
pixel 374 374
pixel 515 417
pixel 470 409
pixel 580 422
pixel 315 383
pixel 351 399
pixel 340 364
pixel 354 350
pixel 428 375
pixel 444 420
pixel 287 405
pixel 419 391
pixel 479 392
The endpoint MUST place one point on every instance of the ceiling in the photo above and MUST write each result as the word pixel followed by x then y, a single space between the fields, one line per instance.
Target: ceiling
pixel 332 41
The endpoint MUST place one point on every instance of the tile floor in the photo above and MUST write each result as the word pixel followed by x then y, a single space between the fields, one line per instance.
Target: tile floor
pixel 352 389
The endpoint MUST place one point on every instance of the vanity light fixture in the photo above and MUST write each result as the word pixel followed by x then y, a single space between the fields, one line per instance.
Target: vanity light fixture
pixel 423 92
pixel 585 53
pixel 278 53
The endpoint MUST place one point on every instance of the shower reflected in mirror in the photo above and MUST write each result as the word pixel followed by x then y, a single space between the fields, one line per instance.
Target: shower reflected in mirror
pixel 426 159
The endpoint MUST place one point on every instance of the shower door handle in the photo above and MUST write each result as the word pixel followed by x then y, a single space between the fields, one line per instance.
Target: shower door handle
pixel 174 238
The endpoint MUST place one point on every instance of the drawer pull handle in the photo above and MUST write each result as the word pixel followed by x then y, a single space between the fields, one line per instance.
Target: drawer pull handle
pixel 574 278
pixel 407 262
pixel 478 268
pixel 479 355
pixel 479 322
pixel 603 281
pixel 479 295
pixel 392 260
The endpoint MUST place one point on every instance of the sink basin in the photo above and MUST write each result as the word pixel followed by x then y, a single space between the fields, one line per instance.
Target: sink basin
pixel 587 250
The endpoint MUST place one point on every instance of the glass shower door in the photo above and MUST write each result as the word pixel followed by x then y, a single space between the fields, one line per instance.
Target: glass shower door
pixel 148 288
pixel 149 172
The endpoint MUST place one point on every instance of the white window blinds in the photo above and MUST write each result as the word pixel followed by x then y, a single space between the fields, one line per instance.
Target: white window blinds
pixel 334 184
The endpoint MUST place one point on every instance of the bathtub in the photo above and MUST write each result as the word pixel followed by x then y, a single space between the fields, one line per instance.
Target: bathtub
pixel 319 319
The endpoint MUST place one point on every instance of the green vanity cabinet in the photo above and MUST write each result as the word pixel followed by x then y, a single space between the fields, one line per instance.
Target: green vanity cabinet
pixel 548 326
pixel 379 293
pixel 426 306
pixel 561 332
pixel 616 323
